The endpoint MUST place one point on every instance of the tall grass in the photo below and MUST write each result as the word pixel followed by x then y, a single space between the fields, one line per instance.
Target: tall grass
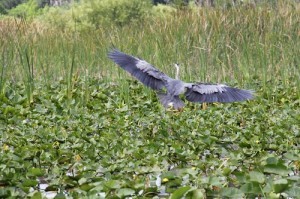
pixel 2 71
pixel 244 46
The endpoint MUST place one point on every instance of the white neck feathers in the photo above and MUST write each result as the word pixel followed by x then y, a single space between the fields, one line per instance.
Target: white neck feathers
pixel 177 71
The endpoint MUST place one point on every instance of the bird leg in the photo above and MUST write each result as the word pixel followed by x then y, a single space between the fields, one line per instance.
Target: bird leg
pixel 204 106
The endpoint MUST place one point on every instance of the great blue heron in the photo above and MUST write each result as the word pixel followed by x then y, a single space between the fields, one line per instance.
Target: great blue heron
pixel 194 92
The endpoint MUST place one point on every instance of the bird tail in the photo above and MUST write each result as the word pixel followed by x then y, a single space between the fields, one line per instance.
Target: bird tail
pixel 170 101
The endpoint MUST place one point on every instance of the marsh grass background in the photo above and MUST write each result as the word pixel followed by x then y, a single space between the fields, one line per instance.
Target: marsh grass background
pixel 66 107
pixel 211 45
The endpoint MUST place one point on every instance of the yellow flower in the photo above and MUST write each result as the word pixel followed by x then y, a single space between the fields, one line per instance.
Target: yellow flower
pixel 134 176
pixel 55 144
pixel 165 180
pixel 77 158
pixel 5 147
pixel 297 164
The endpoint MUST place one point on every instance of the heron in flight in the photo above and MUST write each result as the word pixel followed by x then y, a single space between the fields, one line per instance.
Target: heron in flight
pixel 169 89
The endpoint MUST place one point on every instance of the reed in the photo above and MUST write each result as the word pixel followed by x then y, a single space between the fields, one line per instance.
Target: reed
pixel 235 45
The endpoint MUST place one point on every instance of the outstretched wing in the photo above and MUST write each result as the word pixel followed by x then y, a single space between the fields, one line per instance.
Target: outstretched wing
pixel 203 92
pixel 140 69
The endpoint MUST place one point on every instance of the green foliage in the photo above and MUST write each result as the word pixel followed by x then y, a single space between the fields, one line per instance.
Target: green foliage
pixel 119 12
pixel 163 11
pixel 42 3
pixel 29 9
pixel 8 4
pixel 97 13
pixel 104 146
pixel 180 2
pixel 2 10
pixel 58 17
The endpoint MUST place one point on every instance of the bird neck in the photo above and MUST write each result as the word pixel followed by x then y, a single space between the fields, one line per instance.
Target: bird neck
pixel 177 71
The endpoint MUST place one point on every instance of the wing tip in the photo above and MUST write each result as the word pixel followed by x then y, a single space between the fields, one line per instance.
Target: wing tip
pixel 238 95
pixel 113 52
pixel 228 95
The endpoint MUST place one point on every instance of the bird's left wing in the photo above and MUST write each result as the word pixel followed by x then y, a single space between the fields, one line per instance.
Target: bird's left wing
pixel 204 92
pixel 140 69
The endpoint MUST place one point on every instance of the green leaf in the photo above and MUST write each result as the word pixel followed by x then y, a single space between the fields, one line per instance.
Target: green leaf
pixel 30 183
pixel 241 176
pixel 60 195
pixel 125 192
pixel 40 109
pixel 226 171
pixel 4 193
pixel 174 183
pixel 113 184
pixel 256 176
pixel 170 175
pixel 291 156
pixel 37 195
pixel 278 169
pixel 36 172
pixel 280 185
pixel 293 178
pixel 214 181
pixel 86 187
pixel 231 192
pixel 273 195
pixel 179 193
pixel 82 181
pixel 272 160
pixel 252 187
pixel 197 194
pixel 293 192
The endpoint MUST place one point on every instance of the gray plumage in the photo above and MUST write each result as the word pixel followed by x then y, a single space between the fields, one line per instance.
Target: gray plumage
pixel 194 92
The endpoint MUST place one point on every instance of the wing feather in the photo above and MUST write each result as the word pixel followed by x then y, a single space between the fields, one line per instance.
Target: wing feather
pixel 140 69
pixel 202 92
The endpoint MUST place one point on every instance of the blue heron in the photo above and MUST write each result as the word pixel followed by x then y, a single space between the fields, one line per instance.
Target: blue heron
pixel 169 89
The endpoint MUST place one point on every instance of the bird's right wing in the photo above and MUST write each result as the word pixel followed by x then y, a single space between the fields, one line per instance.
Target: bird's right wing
pixel 140 69
pixel 205 92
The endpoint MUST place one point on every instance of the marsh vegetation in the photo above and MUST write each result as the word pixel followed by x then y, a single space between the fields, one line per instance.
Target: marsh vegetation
pixel 72 121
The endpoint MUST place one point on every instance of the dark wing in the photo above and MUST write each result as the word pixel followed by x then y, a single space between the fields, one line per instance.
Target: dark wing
pixel 140 69
pixel 202 92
